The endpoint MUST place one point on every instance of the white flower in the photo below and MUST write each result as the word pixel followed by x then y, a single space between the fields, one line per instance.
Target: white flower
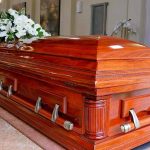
pixel 20 34
pixel 4 21
pixel 3 34
pixel 19 26
pixel 32 32
pixel 14 13
pixel 19 21
pixel 30 21
pixel 9 25
pixel 20 31
pixel 13 29
pixel 28 41
pixel 36 26
pixel 2 27
pixel 5 29
pixel 45 33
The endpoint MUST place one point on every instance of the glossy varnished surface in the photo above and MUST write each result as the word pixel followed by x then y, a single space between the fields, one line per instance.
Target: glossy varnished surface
pixel 103 63
pixel 95 80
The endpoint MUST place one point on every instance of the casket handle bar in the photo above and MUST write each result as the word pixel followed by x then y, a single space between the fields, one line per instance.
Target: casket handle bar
pixel 66 124
pixel 38 105
pixel 127 127
pixel 10 89
pixel 1 85
pixel 55 113
pixel 134 118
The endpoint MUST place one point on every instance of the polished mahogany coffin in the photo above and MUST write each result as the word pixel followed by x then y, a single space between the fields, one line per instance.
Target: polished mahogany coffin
pixel 85 93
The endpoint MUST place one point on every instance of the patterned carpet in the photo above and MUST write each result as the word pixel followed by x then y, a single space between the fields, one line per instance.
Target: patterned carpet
pixel 13 139
pixel 16 135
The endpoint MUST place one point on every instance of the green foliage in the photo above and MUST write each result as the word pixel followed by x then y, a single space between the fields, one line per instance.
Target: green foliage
pixel 15 26
pixel 11 36
pixel 40 33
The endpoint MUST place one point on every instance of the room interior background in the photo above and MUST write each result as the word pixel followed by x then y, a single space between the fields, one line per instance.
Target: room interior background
pixel 76 15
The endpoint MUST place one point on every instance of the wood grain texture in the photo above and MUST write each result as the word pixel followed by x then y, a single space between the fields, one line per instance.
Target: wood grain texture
pixel 140 103
pixel 92 62
pixel 72 140
pixel 96 119
pixel 95 80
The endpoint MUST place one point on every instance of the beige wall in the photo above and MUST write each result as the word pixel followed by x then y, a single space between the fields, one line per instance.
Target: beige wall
pixel 118 10
pixel 66 17
pixel 29 5
pixel 72 23
pixel 33 7
pixel 137 11
pixel 147 24
pixel 115 14
pixel 3 5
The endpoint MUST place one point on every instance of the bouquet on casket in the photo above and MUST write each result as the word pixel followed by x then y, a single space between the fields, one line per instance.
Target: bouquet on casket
pixel 14 26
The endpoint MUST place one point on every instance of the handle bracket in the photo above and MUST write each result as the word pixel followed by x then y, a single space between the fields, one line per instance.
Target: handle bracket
pixel 127 127
pixel 134 118
pixel 38 105
pixel 1 85
pixel 55 113
pixel 10 89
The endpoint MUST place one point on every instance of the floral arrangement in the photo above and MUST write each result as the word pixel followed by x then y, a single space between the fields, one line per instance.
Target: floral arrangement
pixel 125 24
pixel 14 26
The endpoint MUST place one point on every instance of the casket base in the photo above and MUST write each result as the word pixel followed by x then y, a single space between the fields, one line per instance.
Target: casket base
pixel 72 140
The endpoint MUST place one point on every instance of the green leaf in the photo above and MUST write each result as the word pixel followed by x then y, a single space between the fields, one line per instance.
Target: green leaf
pixel 38 29
pixel 40 34
pixel 11 36
pixel 3 15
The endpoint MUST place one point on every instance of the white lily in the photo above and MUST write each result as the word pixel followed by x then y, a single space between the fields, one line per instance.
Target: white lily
pixel 19 26
pixel 3 34
pixel 14 13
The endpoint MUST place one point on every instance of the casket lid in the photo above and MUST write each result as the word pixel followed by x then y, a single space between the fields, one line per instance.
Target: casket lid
pixel 97 65
pixel 90 47
pixel 87 47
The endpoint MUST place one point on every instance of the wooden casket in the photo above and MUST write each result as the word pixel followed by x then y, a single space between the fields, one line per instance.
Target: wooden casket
pixel 85 93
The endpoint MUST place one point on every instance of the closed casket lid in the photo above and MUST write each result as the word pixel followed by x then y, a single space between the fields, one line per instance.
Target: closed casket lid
pixel 89 47
pixel 102 65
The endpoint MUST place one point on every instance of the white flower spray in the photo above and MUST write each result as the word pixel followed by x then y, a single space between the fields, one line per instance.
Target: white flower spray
pixel 16 26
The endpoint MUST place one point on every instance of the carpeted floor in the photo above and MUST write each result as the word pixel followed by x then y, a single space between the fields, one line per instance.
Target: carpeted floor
pixel 13 139
pixel 17 135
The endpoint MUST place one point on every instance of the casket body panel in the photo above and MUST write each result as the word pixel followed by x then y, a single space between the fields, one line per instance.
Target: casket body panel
pixel 79 90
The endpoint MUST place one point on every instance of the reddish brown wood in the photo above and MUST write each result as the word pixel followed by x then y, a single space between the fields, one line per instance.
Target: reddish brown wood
pixel 144 121
pixel 9 80
pixel 95 81
pixel 71 139
pixel 96 119
pixel 140 103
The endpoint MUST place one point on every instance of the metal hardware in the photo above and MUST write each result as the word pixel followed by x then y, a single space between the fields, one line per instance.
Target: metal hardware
pixel 1 85
pixel 9 93
pixel 26 48
pixel 70 84
pixel 68 125
pixel 55 113
pixel 38 105
pixel 134 118
pixel 127 127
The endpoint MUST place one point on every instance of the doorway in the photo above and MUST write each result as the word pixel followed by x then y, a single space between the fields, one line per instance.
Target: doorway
pixel 99 19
